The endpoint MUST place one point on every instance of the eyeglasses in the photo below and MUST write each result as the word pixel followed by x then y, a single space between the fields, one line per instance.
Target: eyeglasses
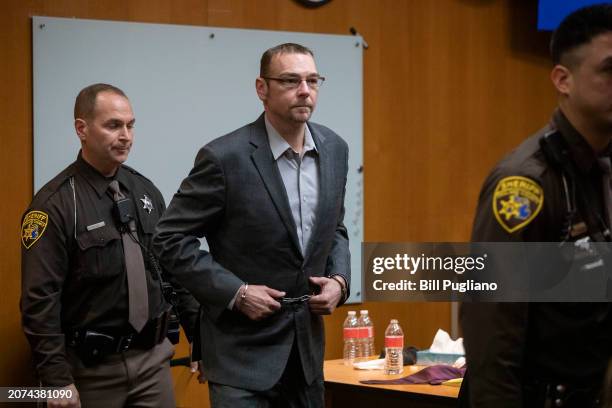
pixel 295 82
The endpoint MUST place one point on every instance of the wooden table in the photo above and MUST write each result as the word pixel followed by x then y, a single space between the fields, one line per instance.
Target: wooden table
pixel 343 389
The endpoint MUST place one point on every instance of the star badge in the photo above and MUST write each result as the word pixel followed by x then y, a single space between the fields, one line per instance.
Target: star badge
pixel 147 204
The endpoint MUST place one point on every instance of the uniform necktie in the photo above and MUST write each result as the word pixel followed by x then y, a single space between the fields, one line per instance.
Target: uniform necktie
pixel 138 300
pixel 606 181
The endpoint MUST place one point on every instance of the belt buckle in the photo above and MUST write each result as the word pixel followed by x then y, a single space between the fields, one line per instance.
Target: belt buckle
pixel 124 343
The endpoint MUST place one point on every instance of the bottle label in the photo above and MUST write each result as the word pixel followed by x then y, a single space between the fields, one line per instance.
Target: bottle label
pixel 365 332
pixel 351 332
pixel 394 341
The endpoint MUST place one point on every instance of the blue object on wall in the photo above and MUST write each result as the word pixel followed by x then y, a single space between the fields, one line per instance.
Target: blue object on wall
pixel 552 12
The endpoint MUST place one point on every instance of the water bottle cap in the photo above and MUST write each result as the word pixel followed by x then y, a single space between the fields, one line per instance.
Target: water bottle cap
pixel 393 321
pixel 363 312
pixel 351 313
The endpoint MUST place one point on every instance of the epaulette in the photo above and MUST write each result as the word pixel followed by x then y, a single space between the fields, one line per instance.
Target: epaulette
pixel 137 173
pixel 555 149
pixel 54 185
pixel 526 160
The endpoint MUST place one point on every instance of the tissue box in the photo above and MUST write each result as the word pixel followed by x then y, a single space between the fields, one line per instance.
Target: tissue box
pixel 426 357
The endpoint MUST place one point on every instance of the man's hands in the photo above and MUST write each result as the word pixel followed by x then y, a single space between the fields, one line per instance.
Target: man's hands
pixel 325 302
pixel 73 402
pixel 259 302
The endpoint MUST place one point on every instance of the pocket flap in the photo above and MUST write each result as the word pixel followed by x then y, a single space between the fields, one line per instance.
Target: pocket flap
pixel 97 238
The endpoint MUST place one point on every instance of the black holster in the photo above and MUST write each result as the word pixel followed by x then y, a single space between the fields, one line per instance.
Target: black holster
pixel 92 346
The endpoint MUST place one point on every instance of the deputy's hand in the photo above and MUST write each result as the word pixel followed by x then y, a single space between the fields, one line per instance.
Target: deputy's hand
pixel 325 302
pixel 260 301
pixel 197 366
pixel 73 402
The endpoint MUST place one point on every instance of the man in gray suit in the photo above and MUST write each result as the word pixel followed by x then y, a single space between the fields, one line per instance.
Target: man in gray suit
pixel 269 198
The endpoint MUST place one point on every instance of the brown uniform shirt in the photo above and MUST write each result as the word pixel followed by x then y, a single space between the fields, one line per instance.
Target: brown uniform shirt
pixel 509 345
pixel 73 273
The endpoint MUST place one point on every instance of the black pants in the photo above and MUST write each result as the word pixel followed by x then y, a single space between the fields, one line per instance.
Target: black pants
pixel 291 391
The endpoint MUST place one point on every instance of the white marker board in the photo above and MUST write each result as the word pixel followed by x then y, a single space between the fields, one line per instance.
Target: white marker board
pixel 188 85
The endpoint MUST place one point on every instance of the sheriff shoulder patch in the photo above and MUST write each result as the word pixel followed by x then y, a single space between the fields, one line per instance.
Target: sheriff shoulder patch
pixel 516 202
pixel 33 227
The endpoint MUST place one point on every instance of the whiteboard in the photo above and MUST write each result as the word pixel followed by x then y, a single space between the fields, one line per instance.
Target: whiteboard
pixel 188 85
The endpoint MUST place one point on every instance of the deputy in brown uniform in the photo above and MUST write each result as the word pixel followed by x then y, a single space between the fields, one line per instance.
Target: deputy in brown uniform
pixel 550 189
pixel 92 303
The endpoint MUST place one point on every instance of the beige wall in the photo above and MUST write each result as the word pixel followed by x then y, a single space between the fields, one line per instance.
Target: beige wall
pixel 449 85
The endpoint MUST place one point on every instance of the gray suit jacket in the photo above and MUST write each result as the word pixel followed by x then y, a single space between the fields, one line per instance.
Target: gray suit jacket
pixel 235 197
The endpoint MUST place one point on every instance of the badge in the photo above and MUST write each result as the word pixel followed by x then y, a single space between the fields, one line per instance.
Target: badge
pixel 32 228
pixel 516 202
pixel 147 204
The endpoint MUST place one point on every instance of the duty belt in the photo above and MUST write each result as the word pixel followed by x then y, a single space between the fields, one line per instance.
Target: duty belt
pixel 553 394
pixel 92 345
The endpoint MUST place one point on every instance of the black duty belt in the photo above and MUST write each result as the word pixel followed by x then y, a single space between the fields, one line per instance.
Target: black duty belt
pixel 91 345
pixel 562 394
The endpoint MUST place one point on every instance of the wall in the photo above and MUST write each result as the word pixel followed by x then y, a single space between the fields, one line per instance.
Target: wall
pixel 450 85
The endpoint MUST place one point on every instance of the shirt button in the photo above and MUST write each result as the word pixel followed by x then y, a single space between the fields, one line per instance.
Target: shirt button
pixel 304 199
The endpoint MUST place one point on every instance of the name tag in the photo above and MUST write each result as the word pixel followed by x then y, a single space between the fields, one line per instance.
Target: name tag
pixel 95 226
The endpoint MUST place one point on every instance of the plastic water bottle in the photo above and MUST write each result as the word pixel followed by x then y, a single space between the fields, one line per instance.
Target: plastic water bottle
pixel 394 344
pixel 350 332
pixel 366 335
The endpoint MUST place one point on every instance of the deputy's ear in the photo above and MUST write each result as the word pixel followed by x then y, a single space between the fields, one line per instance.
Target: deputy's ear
pixel 80 126
pixel 561 78
pixel 261 86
